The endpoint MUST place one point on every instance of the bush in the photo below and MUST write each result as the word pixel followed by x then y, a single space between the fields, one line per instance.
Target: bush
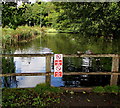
pixel 46 88
pixel 99 89
pixel 22 33
pixel 51 30
pixel 24 97
pixel 107 89
pixel 111 89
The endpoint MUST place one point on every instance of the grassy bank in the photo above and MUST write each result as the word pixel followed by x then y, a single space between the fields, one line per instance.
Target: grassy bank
pixel 22 33
pixel 42 95
pixel 45 96
pixel 107 89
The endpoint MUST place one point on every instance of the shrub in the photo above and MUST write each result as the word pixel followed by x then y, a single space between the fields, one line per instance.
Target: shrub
pixel 22 33
pixel 51 30
pixel 107 89
pixel 111 89
pixel 46 88
pixel 99 89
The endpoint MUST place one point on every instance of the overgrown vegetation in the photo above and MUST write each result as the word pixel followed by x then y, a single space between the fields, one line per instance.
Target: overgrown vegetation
pixel 42 95
pixel 87 18
pixel 21 34
pixel 107 89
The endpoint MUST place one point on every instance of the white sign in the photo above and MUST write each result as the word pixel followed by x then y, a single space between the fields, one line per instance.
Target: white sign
pixel 58 65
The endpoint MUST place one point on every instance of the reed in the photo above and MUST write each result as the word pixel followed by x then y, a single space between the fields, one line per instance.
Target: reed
pixel 22 33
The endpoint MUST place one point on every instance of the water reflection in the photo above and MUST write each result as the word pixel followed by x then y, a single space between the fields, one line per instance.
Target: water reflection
pixel 67 44
pixel 64 44
pixel 29 65
pixel 25 65
pixel 87 64
pixel 9 82
pixel 38 64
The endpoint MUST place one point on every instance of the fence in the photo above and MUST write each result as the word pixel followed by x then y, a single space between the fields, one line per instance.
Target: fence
pixel 114 70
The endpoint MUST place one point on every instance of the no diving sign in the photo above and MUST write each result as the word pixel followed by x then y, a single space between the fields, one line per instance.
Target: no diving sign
pixel 58 65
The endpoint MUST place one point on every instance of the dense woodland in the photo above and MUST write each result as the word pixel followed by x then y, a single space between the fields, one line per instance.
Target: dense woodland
pixel 88 18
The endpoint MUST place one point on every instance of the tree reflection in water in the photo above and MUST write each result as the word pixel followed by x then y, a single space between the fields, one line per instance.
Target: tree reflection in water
pixel 8 66
pixel 86 64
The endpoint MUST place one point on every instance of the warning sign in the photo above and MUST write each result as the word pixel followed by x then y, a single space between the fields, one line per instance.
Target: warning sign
pixel 58 65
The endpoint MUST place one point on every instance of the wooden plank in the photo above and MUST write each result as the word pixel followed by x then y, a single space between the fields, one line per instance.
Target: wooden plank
pixel 115 68
pixel 66 73
pixel 91 55
pixel 64 55
pixel 90 73
pixel 48 64
pixel 25 74
pixel 25 55
pixel 48 69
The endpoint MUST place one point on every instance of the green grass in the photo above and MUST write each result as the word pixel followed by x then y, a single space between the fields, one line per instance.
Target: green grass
pixel 51 30
pixel 107 89
pixel 42 95
pixel 99 89
pixel 22 33
pixel 46 89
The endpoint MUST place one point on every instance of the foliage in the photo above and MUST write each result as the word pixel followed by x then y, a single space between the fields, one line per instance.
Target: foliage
pixel 18 97
pixel 8 65
pixel 30 14
pixel 51 30
pixel 87 18
pixel 22 33
pixel 107 89
pixel 101 19
pixel 112 89
pixel 46 88
pixel 99 89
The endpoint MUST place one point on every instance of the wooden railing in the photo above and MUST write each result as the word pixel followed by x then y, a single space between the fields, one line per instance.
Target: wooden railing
pixel 114 70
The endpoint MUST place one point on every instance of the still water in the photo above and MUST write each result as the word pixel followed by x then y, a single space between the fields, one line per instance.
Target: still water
pixel 63 44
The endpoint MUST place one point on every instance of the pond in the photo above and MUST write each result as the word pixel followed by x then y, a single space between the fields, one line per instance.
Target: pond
pixel 61 43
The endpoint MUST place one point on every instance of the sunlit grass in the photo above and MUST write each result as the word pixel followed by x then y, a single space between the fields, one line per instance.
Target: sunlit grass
pixel 22 33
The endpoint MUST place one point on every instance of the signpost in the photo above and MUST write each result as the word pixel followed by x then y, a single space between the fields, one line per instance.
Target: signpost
pixel 58 65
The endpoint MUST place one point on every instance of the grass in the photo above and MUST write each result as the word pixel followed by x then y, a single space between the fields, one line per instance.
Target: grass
pixel 22 33
pixel 42 95
pixel 46 89
pixel 107 89
pixel 51 30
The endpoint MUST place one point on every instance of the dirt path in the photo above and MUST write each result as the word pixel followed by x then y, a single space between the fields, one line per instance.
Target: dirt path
pixel 83 99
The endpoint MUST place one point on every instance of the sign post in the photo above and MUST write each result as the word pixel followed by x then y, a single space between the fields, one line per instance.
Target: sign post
pixel 58 65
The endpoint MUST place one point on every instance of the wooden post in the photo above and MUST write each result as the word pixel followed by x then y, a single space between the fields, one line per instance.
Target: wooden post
pixel 48 69
pixel 115 68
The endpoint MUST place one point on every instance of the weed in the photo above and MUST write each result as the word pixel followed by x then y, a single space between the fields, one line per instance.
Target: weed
pixel 107 89
pixel 99 89
pixel 46 89
pixel 41 95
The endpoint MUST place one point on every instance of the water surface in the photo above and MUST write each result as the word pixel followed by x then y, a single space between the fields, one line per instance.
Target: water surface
pixel 64 44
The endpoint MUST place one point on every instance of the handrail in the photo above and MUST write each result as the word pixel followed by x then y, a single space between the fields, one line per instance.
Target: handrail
pixel 66 73
pixel 64 55
pixel 114 71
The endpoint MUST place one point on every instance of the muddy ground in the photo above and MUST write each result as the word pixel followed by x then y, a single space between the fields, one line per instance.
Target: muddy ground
pixel 88 99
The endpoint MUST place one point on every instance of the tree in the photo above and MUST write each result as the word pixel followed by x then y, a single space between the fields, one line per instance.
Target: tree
pixel 101 19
